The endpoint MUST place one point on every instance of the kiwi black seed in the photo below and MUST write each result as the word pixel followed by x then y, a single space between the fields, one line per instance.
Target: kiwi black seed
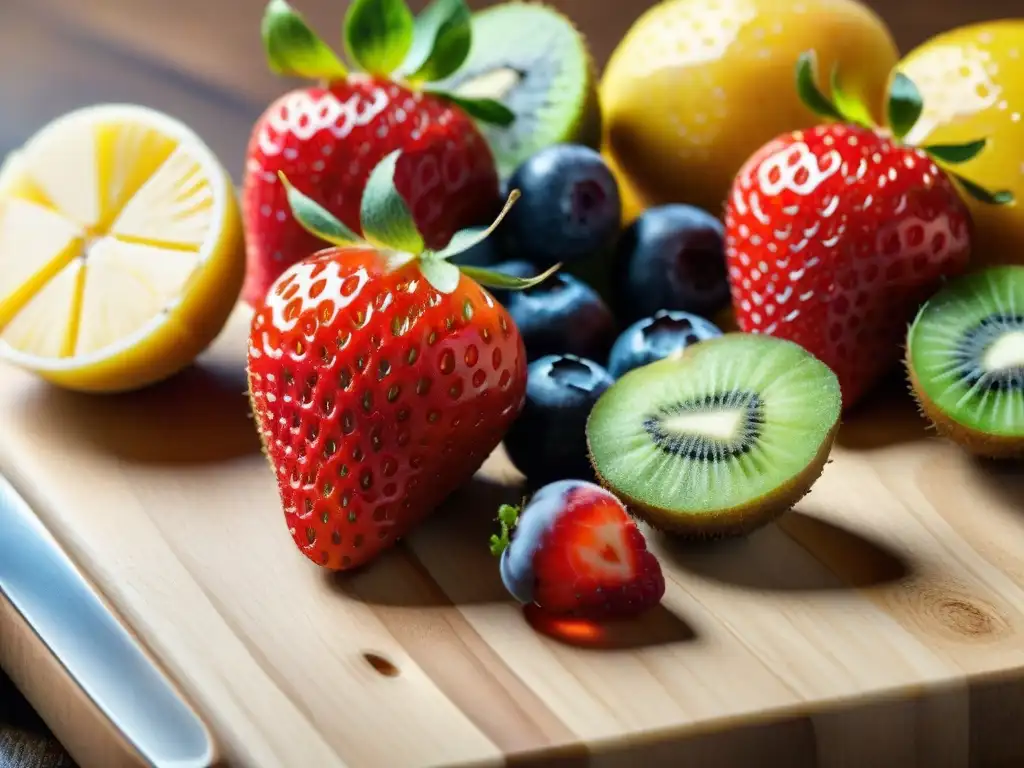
pixel 532 59
pixel 719 440
pixel 965 358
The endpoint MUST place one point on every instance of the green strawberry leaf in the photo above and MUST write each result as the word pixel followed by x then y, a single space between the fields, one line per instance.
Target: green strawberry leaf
pixel 808 91
pixel 386 219
pixel 295 50
pixel 465 239
pixel 1003 197
pixel 378 34
pixel 441 41
pixel 956 153
pixel 508 517
pixel 905 105
pixel 315 219
pixel 491 279
pixel 850 107
pixel 485 110
pixel 441 274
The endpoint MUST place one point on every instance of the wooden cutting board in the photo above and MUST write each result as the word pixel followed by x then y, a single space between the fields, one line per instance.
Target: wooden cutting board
pixel 879 624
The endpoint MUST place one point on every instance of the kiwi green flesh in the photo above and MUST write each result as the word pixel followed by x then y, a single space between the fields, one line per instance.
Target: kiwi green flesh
pixel 965 351
pixel 723 438
pixel 533 60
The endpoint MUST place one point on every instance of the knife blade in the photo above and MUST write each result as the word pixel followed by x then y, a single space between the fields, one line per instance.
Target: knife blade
pixel 97 652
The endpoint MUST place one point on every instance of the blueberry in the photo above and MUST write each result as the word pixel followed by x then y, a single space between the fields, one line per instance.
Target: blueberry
pixel 671 257
pixel 548 441
pixel 570 207
pixel 562 315
pixel 657 337
pixel 483 254
pixel 536 519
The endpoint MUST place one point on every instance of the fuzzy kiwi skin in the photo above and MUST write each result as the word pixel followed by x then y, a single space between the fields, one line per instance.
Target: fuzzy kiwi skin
pixel 735 521
pixel 977 443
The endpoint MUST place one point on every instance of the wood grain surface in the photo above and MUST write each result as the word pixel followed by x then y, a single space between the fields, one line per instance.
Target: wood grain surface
pixel 879 624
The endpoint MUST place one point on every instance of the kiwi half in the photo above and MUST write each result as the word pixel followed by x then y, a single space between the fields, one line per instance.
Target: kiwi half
pixel 965 358
pixel 720 440
pixel 532 59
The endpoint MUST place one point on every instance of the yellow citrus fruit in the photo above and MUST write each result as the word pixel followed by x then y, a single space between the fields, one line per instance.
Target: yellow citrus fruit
pixel 697 86
pixel 972 82
pixel 121 252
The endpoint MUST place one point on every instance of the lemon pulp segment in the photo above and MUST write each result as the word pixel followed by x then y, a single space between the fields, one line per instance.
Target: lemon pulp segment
pixel 121 252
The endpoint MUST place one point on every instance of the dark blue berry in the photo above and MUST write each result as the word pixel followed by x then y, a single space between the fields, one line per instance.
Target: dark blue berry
pixel 562 315
pixel 536 520
pixel 549 439
pixel 655 338
pixel 569 210
pixel 671 257
pixel 483 254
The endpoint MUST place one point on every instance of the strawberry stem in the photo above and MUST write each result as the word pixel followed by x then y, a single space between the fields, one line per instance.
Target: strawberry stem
pixel 508 517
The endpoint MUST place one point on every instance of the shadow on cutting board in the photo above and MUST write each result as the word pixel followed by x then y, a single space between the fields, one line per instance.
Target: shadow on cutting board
pixel 200 415
pixel 767 560
pixel 447 563
pixel 887 417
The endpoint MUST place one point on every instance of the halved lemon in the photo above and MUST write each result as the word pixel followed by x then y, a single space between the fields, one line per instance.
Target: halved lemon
pixel 121 249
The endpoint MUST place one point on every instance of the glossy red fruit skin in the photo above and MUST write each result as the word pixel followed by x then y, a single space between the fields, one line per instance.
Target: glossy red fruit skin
pixel 376 397
pixel 565 585
pixel 328 140
pixel 834 237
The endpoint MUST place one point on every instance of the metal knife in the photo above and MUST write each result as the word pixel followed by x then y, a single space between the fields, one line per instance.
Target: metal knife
pixel 97 652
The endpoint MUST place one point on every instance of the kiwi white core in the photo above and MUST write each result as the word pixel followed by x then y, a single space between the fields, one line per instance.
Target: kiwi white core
pixel 491 85
pixel 1006 352
pixel 715 424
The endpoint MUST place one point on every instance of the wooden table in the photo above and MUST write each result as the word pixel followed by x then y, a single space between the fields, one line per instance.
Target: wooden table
pixel 202 60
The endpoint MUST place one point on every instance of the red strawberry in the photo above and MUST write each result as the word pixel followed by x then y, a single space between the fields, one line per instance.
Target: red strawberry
pixel 328 137
pixel 575 551
pixel 380 377
pixel 835 235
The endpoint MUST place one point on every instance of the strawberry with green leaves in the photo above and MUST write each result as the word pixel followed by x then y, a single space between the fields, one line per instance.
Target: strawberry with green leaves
pixel 327 137
pixel 381 375
pixel 836 234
